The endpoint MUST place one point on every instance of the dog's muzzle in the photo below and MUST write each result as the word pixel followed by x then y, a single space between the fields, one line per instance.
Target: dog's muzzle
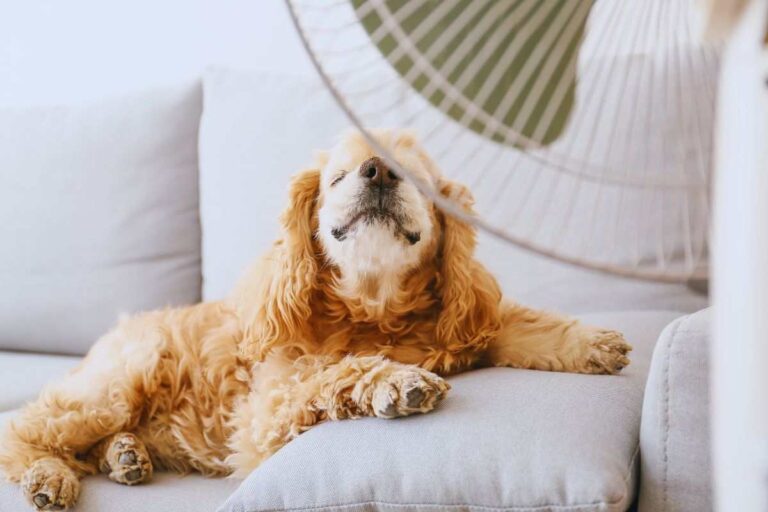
pixel 378 201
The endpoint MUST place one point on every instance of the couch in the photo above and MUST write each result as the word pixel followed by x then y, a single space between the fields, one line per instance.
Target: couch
pixel 162 197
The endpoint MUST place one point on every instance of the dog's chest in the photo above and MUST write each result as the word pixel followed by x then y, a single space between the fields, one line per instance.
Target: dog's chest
pixel 406 339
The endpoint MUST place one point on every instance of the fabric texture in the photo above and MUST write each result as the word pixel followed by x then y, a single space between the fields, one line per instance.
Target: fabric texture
pixel 99 206
pixel 23 375
pixel 255 134
pixel 504 439
pixel 674 436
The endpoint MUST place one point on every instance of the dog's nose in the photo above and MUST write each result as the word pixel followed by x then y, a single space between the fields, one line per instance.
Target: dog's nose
pixel 377 173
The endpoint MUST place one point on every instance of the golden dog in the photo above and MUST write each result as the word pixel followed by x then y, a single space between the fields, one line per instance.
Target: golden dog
pixel 368 298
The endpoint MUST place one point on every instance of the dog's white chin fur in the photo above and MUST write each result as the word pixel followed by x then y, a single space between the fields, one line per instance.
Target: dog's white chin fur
pixel 372 249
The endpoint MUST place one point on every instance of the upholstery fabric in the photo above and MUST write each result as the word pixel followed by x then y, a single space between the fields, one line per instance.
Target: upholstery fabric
pixel 99 211
pixel 255 134
pixel 503 439
pixel 674 436
pixel 23 375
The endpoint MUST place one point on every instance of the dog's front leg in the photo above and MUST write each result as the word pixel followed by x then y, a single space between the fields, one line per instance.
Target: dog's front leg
pixel 289 397
pixel 544 341
pixel 375 386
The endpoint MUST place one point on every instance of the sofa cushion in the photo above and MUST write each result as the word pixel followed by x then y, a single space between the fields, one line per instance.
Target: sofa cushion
pixel 23 375
pixel 260 127
pixel 674 436
pixel 504 438
pixel 98 204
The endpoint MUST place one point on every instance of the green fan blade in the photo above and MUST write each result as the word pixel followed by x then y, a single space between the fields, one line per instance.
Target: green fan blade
pixel 506 69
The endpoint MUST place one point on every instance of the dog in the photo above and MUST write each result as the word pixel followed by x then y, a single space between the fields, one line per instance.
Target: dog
pixel 367 301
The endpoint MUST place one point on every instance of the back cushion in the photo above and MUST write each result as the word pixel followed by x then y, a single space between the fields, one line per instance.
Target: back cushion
pixel 98 216
pixel 258 129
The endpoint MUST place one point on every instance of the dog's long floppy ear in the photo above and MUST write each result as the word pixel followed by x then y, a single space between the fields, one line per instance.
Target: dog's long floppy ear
pixel 273 300
pixel 470 295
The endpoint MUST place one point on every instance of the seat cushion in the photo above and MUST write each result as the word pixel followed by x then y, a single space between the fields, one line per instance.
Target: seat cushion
pixel 23 375
pixel 504 438
pixel 166 491
pixel 99 208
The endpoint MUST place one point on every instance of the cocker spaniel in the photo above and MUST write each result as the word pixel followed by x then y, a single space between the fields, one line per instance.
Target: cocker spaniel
pixel 370 297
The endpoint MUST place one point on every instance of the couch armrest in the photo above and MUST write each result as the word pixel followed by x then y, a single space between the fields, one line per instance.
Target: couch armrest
pixel 674 431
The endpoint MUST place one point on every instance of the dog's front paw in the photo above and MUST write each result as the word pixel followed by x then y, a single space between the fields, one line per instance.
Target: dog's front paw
pixel 407 391
pixel 49 484
pixel 606 351
pixel 126 460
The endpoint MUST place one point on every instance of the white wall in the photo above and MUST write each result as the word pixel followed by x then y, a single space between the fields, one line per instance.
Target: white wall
pixel 77 50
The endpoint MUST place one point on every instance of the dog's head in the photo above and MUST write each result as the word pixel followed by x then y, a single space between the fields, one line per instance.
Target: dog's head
pixel 371 222
pixel 353 214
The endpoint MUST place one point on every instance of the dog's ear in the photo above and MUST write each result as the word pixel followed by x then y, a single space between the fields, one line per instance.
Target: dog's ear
pixel 273 300
pixel 469 294
pixel 299 219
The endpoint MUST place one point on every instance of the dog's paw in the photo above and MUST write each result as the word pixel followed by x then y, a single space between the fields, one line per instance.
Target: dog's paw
pixel 606 352
pixel 126 460
pixel 458 193
pixel 49 484
pixel 407 391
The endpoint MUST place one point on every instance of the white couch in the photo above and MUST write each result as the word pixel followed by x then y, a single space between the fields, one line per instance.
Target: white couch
pixel 101 213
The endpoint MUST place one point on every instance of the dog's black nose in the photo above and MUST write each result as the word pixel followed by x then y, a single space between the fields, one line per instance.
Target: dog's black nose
pixel 376 171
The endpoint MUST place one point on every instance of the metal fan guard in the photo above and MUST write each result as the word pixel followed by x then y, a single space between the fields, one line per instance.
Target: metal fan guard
pixel 659 274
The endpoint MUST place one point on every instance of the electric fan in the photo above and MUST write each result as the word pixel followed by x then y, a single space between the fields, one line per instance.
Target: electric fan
pixel 583 128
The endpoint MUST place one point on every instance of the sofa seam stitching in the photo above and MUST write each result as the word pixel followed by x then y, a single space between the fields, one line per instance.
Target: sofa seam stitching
pixel 631 466
pixel 665 449
pixel 689 331
pixel 450 506
pixel 445 506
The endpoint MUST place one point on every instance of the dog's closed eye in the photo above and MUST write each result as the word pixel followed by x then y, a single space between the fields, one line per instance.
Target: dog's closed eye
pixel 338 178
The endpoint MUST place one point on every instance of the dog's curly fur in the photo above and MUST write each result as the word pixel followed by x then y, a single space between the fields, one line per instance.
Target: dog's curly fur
pixel 319 329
